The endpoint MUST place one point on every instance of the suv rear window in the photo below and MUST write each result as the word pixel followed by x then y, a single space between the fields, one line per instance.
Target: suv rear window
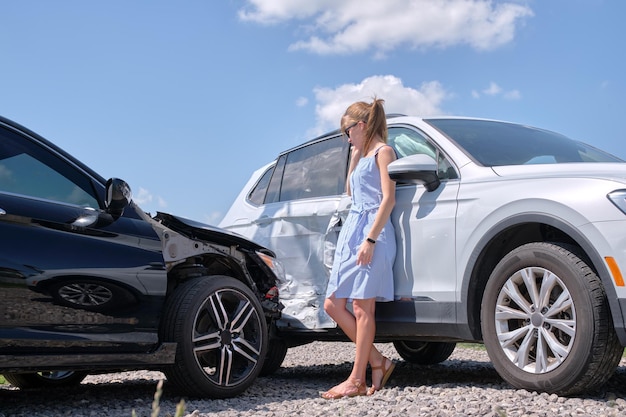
pixel 315 170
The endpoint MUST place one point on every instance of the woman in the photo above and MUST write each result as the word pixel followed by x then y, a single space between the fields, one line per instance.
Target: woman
pixel 366 247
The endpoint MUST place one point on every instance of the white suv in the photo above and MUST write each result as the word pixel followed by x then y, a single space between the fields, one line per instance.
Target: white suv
pixel 508 235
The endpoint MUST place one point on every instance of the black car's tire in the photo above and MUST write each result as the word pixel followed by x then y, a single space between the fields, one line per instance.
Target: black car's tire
pixel 221 333
pixel 48 379
pixel 546 321
pixel 424 353
pixel 276 352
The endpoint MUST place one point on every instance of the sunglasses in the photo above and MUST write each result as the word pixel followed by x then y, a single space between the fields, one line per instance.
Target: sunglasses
pixel 347 129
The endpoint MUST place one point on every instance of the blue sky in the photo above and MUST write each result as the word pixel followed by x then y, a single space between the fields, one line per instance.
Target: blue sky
pixel 184 100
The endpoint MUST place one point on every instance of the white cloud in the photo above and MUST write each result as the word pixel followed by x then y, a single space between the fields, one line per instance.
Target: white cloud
pixel 147 201
pixel 332 102
pixel 494 90
pixel 142 197
pixel 351 26
pixel 302 101
pixel 513 95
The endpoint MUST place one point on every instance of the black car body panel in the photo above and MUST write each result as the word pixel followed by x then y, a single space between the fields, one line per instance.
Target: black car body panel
pixel 84 282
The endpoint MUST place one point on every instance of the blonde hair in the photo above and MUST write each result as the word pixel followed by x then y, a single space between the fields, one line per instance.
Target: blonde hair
pixel 372 114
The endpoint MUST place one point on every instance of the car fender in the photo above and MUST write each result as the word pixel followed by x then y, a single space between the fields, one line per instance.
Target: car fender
pixel 579 228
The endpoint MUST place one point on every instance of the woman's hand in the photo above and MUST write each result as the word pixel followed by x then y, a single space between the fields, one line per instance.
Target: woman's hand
pixel 365 253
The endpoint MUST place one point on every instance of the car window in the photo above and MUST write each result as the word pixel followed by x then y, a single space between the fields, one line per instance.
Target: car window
pixel 273 188
pixel 28 169
pixel 257 195
pixel 411 142
pixel 316 170
pixel 493 143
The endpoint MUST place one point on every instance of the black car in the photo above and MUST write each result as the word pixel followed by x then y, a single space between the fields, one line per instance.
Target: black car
pixel 89 283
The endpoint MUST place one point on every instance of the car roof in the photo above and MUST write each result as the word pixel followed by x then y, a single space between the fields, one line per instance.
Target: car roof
pixel 331 133
pixel 391 116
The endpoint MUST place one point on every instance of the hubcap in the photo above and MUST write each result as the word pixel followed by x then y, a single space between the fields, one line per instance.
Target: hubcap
pixel 227 337
pixel 535 320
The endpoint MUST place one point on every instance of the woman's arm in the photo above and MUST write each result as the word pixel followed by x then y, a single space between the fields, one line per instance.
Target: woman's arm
pixel 386 155
pixel 355 155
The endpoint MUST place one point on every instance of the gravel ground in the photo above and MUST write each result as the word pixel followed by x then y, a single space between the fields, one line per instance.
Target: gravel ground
pixel 464 385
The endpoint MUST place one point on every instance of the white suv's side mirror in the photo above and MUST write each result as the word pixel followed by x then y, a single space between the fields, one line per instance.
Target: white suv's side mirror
pixel 415 169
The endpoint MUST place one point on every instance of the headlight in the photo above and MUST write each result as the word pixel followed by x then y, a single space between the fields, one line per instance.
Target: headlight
pixel 618 197
pixel 274 264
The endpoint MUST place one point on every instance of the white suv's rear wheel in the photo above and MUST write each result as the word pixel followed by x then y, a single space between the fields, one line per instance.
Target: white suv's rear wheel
pixel 546 322
pixel 424 353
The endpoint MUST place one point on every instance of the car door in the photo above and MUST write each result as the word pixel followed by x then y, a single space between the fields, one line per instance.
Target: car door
pixel 424 221
pixel 70 275
pixel 299 205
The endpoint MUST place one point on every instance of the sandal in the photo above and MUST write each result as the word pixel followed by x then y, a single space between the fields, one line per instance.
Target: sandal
pixel 386 374
pixel 360 389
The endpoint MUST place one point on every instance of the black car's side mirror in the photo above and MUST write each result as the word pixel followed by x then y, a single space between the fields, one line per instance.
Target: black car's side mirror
pixel 415 169
pixel 118 197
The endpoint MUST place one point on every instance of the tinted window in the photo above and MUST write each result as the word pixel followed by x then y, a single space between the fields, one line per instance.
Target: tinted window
pixel 257 195
pixel 410 142
pixel 28 169
pixel 497 143
pixel 273 189
pixel 316 170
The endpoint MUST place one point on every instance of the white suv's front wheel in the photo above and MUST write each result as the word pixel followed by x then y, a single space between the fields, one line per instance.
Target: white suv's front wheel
pixel 546 322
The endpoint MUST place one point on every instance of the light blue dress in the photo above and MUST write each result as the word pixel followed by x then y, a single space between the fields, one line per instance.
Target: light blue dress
pixel 347 279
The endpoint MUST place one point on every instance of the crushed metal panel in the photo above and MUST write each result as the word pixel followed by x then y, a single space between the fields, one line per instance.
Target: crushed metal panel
pixel 305 244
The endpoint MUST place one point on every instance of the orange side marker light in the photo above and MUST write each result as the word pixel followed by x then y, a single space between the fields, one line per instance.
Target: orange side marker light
pixel 617 274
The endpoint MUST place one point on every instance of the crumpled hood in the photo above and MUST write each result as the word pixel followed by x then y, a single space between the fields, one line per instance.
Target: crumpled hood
pixel 200 231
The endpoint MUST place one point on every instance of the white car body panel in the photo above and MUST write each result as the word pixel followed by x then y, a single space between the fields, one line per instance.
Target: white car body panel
pixel 438 233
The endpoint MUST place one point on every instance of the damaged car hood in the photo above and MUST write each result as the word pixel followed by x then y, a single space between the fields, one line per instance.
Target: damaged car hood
pixel 199 231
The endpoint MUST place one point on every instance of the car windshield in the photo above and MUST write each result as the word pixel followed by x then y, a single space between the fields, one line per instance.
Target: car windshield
pixel 493 143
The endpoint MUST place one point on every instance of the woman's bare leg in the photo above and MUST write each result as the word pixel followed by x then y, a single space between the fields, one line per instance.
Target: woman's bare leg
pixel 360 327
pixel 336 308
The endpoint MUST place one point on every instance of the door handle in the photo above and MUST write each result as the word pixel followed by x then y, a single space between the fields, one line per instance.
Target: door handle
pixel 87 218
pixel 263 220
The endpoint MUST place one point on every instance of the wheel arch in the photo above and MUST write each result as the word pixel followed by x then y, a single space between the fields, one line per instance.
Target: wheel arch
pixel 210 264
pixel 516 231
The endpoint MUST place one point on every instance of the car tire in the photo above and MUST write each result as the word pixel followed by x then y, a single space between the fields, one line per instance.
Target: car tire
pixel 221 335
pixel 48 379
pixel 424 353
pixel 546 322
pixel 276 352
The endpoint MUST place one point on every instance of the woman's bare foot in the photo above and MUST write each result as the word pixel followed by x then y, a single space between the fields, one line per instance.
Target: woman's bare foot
pixel 348 388
pixel 380 375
